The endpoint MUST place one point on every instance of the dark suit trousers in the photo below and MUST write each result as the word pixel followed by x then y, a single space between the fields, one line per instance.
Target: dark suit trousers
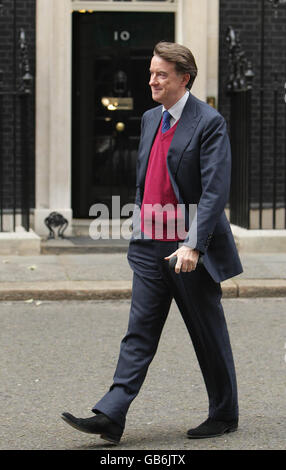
pixel 199 300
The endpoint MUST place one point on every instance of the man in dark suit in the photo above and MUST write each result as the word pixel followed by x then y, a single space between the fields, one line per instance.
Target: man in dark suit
pixel 184 161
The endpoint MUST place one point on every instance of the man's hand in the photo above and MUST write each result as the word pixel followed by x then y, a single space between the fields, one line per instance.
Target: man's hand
pixel 187 259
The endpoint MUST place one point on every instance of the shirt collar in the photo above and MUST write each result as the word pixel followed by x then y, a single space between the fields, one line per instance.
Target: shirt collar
pixel 177 109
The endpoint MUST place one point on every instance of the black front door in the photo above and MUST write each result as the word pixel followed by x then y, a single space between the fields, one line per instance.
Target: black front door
pixel 111 58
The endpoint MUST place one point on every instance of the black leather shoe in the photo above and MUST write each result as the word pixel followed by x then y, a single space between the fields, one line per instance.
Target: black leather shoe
pixel 98 424
pixel 212 428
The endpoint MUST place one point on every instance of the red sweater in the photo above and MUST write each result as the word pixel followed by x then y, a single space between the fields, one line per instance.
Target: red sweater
pixel 156 222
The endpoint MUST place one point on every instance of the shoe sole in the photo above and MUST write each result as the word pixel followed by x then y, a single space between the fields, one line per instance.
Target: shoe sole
pixel 213 435
pixel 105 437
pixel 111 439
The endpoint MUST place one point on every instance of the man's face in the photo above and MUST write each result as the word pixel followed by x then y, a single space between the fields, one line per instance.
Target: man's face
pixel 167 85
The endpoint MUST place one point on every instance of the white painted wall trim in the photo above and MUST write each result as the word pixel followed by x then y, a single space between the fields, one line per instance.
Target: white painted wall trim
pixel 78 5
pixel 53 111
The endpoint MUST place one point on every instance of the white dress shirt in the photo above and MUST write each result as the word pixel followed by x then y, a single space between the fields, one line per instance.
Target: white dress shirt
pixel 177 109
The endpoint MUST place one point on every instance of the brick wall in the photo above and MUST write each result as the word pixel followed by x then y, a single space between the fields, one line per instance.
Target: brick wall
pixel 245 17
pixel 24 18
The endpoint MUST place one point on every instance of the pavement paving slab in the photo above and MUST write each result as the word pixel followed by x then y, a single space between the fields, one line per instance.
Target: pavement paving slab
pixel 86 276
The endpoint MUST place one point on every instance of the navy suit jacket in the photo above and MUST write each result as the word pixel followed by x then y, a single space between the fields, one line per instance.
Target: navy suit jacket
pixel 199 166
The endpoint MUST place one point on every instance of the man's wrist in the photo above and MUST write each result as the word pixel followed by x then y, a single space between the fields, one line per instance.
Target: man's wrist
pixel 190 247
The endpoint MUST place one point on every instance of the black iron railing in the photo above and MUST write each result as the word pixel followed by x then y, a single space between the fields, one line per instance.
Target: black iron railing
pixel 239 88
pixel 16 101
pixel 265 152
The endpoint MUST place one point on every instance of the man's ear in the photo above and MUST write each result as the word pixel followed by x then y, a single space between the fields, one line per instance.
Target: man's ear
pixel 186 78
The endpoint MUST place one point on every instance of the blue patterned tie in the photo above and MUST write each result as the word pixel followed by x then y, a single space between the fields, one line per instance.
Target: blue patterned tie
pixel 166 121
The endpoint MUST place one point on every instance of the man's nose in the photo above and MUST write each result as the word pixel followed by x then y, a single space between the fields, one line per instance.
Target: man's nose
pixel 152 80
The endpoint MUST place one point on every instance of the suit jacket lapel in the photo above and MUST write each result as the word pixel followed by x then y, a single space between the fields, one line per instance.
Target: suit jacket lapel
pixel 151 129
pixel 184 133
